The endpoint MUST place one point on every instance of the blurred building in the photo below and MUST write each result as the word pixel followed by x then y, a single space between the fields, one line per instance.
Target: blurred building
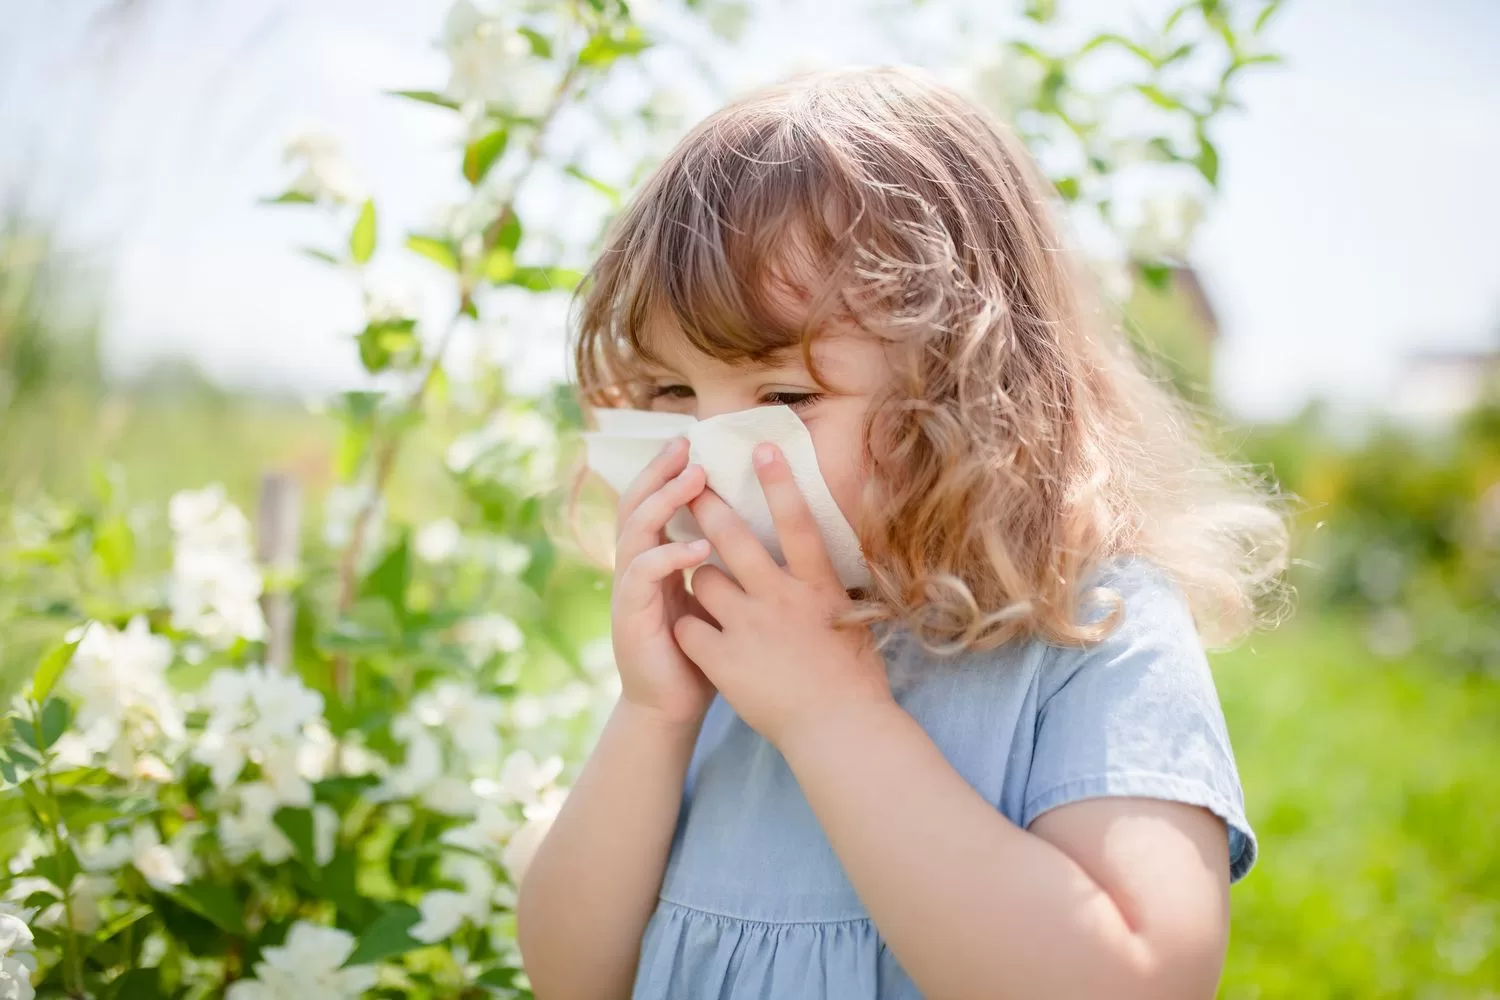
pixel 1170 316
pixel 1434 388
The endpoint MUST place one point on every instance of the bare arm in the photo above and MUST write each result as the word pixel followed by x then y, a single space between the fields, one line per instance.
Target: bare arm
pixel 589 892
pixel 1117 897
pixel 592 886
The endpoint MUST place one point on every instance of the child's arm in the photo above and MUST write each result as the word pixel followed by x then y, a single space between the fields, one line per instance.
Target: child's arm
pixel 590 890
pixel 1117 897
pixel 586 898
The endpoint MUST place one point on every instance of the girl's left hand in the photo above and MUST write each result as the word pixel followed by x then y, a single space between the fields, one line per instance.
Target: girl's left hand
pixel 774 656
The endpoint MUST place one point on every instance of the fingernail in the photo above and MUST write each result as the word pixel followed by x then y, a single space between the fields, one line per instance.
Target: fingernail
pixel 764 454
pixel 671 445
pixel 698 546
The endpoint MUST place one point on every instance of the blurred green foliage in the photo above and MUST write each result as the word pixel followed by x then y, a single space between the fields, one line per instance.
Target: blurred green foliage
pixel 1365 730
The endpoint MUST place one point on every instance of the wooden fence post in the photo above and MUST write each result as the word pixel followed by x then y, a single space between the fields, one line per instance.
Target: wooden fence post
pixel 278 537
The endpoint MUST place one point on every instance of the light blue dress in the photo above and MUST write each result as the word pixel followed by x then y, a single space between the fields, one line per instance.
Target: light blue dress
pixel 754 904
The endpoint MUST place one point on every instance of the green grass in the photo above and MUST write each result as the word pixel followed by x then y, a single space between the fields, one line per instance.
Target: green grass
pixel 1372 788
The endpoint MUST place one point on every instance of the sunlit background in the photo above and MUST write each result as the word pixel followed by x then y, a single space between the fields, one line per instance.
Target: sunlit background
pixel 227 253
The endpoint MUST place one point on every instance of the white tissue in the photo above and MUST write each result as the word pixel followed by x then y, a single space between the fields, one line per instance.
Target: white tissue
pixel 627 440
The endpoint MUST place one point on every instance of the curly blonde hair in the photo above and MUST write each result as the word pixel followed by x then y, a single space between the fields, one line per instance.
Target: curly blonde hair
pixel 1021 444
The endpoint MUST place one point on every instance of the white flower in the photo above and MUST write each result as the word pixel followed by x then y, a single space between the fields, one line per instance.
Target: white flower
pixel 438 541
pixel 451 796
pixel 421 768
pixel 490 634
pixel 325 175
pixel 523 845
pixel 444 910
pixel 493 63
pixel 507 555
pixel 125 702
pixel 470 719
pixel 216 584
pixel 517 448
pixel 252 829
pixel 325 833
pixel 143 848
pixel 522 779
pixel 309 965
pixel 272 718
pixel 527 711
pixel 572 698
pixel 17 958
pixel 487 834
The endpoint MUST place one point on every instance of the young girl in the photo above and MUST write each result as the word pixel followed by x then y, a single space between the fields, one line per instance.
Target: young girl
pixel 1000 770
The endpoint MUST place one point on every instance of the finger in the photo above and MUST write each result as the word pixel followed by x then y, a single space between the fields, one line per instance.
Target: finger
pixel 643 529
pixel 718 594
pixel 667 463
pixel 801 543
pixel 698 640
pixel 737 546
pixel 651 567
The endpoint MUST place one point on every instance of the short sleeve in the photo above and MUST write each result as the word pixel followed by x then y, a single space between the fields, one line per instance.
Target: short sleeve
pixel 1137 714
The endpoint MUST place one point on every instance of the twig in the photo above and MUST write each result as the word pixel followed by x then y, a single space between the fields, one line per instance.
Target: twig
pixel 385 456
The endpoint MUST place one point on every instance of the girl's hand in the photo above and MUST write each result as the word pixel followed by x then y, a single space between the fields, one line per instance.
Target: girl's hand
pixel 775 657
pixel 649 594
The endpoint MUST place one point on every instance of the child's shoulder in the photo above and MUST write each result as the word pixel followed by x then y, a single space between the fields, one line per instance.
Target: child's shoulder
pixel 1152 631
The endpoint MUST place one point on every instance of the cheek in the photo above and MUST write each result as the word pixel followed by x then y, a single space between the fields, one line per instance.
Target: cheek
pixel 839 452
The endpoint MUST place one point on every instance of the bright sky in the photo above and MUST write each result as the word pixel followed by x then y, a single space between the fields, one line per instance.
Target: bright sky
pixel 1358 219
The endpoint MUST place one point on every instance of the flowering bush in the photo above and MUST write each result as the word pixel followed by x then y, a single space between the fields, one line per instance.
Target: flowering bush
pixel 202 794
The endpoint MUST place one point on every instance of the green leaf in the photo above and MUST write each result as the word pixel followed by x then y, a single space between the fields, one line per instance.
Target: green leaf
pixel 389 579
pixel 362 239
pixel 1179 53
pixel 427 97
pixel 1156 274
pixel 1158 97
pixel 434 249
pixel 114 544
pixel 387 936
pixel 322 255
pixel 546 279
pixel 289 198
pixel 499 265
pixel 509 237
pixel 604 48
pixel 541 45
pixel 1264 59
pixel 56 714
pixel 217 903
pixel 1040 11
pixel 501 978
pixel 50 669
pixel 1067 187
pixel 1265 15
pixel 137 984
pixel 1177 15
pixel 297 824
pixel 482 153
pixel 1207 160
pixel 1120 41
pixel 610 192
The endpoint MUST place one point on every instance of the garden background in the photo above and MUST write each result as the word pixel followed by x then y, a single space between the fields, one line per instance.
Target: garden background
pixel 281 419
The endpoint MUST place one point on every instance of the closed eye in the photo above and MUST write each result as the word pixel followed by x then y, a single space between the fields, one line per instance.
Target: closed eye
pixel 796 400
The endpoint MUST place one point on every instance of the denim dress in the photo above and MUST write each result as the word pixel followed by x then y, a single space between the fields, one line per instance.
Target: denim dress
pixel 754 904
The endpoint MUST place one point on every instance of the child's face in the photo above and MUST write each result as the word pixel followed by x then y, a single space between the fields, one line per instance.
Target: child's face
pixel 856 367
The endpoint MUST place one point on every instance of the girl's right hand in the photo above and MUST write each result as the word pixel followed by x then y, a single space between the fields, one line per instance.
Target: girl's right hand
pixel 650 594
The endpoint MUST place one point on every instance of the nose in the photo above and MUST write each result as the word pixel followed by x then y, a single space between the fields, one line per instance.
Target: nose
pixel 715 405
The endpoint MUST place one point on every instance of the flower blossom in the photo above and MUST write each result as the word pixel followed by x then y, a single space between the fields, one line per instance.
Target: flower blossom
pixel 268 717
pixel 17 958
pixel 124 702
pixel 216 584
pixel 309 965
